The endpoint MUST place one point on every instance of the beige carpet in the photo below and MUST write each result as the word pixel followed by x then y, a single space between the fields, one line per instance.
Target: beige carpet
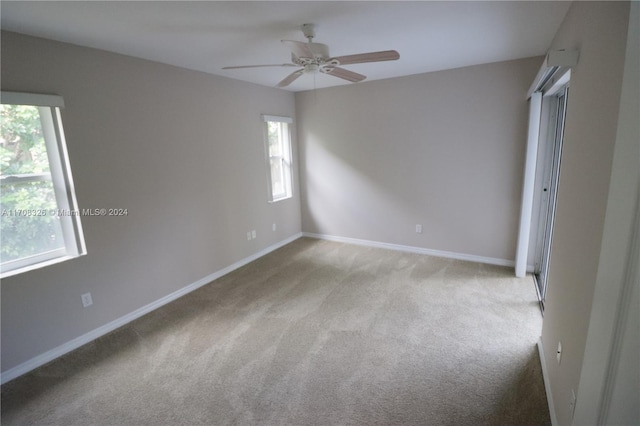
pixel 316 333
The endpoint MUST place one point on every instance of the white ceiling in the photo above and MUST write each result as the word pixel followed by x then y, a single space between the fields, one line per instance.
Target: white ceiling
pixel 207 35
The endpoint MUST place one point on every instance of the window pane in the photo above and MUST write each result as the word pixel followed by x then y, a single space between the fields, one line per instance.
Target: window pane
pixel 275 144
pixel 279 157
pixel 22 147
pixel 28 228
pixel 277 177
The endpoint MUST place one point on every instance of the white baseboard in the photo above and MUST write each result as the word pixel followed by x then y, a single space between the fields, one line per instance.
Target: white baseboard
pixel 56 352
pixel 547 385
pixel 410 249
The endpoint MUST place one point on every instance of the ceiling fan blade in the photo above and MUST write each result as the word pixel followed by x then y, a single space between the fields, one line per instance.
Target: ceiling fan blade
pixel 385 55
pixel 290 78
pixel 258 66
pixel 351 76
pixel 300 49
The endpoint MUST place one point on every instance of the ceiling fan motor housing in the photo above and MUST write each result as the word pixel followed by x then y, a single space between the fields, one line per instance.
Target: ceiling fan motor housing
pixel 309 31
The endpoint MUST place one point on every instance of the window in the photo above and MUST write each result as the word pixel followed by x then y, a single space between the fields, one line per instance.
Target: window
pixel 278 143
pixel 40 223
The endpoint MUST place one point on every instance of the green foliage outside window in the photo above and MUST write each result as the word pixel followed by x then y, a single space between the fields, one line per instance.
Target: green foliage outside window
pixel 27 199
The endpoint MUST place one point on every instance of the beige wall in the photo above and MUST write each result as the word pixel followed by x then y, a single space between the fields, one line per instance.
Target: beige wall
pixel 443 149
pixel 599 31
pixel 609 389
pixel 181 150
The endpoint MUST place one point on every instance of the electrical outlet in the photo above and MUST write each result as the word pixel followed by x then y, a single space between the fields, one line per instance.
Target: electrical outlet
pixel 418 229
pixel 273 227
pixel 86 300
pixel 249 236
pixel 559 352
pixel 253 234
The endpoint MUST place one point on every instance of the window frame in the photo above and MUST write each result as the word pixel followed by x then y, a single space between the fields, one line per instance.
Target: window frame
pixel 285 158
pixel 60 174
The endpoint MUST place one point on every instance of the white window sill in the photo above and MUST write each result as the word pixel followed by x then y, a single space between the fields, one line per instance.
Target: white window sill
pixel 281 199
pixel 38 265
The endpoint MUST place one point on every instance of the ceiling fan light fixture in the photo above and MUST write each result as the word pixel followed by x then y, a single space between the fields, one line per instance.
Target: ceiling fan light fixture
pixel 311 69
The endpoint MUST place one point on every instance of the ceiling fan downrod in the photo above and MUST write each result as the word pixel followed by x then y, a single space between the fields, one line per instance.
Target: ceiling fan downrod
pixel 309 32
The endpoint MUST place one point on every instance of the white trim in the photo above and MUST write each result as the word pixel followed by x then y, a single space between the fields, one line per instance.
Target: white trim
pixel 35 99
pixel 61 181
pixel 277 118
pixel 67 347
pixel 522 252
pixel 547 384
pixel 411 249
pixel 55 142
pixel 560 80
pixel 555 63
pixel 39 264
pixel 71 201
pixel 284 139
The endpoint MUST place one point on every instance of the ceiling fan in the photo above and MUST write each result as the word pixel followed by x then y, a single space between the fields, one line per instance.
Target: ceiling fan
pixel 313 57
